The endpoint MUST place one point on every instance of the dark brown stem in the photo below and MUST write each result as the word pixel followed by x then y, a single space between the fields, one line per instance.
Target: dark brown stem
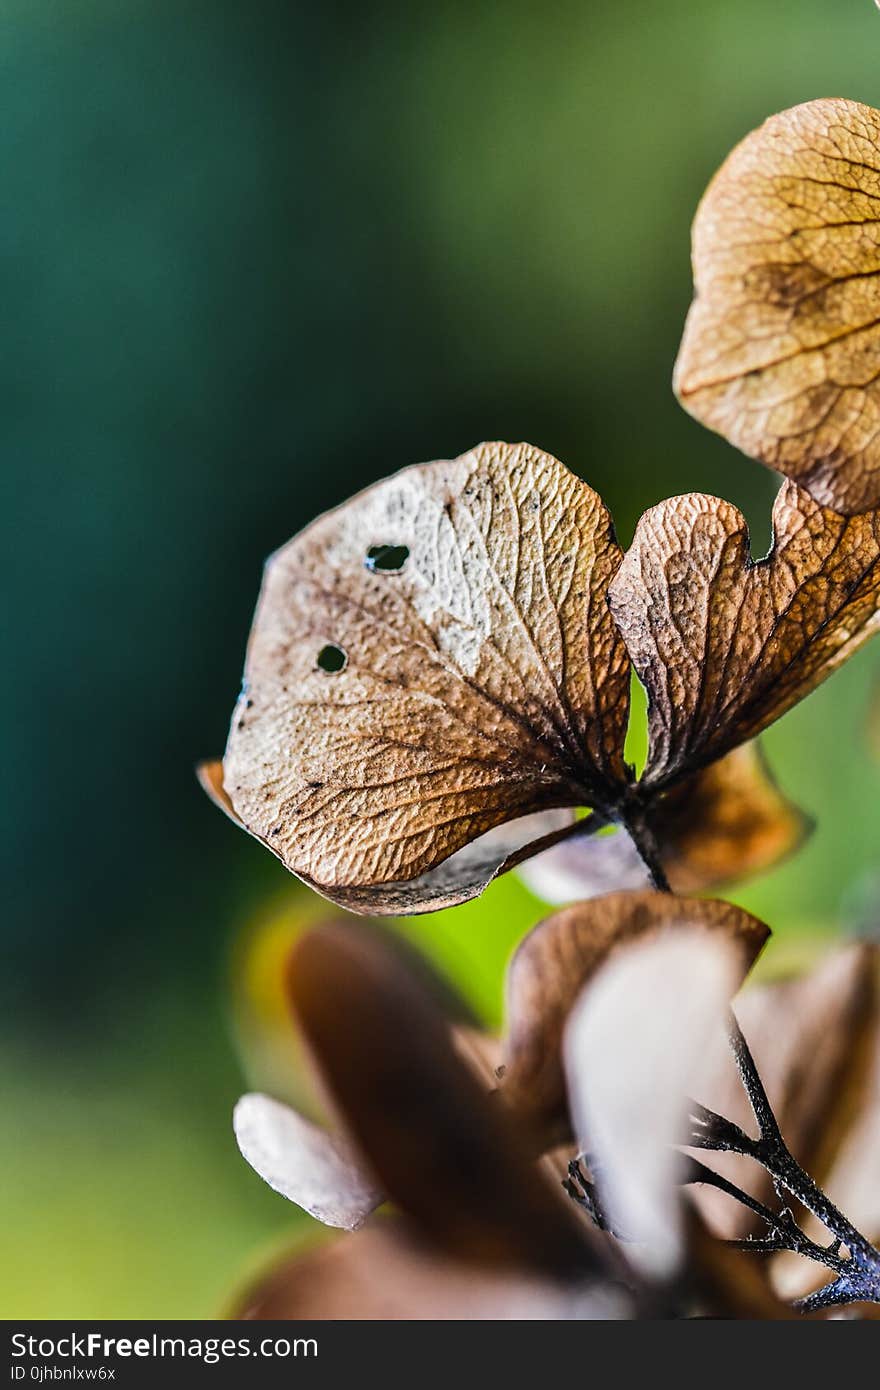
pixel 642 836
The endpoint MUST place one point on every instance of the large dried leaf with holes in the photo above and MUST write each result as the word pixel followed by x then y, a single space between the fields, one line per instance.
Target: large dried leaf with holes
pixel 811 1038
pixel 383 1274
pixel 724 644
pixel 727 822
pixel 781 350
pixel 638 1040
pixel 443 1151
pixel 556 960
pixel 430 661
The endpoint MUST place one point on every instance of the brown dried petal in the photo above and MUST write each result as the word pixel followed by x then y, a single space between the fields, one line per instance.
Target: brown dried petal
pixel 555 961
pixel 464 875
pixel 440 1147
pixel 781 350
pixel 727 822
pixel 381 1273
pixel 726 645
pixel 429 661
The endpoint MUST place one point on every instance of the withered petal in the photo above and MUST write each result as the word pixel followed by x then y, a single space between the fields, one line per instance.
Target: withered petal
pixel 443 1150
pixel 637 1043
pixel 554 962
pixel 464 875
pixel 433 659
pixel 781 350
pixel 382 1273
pixel 724 644
pixel 309 1165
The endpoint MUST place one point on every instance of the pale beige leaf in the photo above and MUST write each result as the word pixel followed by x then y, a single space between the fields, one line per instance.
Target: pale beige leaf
pixel 728 821
pixel 637 1044
pixel 726 645
pixel 554 962
pixel 781 350
pixel 308 1165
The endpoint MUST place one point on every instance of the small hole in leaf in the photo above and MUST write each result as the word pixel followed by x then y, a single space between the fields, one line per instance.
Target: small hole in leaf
pixel 386 559
pixel 331 659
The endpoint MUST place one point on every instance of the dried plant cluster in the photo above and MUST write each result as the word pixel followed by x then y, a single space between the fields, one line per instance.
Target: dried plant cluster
pixel 437 690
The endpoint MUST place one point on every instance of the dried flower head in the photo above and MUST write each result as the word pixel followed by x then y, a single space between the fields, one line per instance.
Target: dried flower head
pixel 485 687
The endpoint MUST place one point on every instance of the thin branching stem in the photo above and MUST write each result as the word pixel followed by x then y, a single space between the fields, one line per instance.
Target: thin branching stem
pixel 786 1234
pixel 858 1274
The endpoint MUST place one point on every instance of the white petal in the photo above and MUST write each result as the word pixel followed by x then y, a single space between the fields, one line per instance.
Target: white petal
pixel 638 1044
pixel 307 1164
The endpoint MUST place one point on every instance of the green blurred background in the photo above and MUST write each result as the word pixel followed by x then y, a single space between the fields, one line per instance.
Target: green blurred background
pixel 255 255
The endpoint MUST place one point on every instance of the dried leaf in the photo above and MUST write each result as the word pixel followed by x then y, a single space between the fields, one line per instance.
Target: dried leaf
pixel 637 1043
pixel 727 822
pixel 428 662
pixel 781 350
pixel 441 1149
pixel 382 1274
pixel 810 1038
pixel 308 1165
pixel 463 875
pixel 726 645
pixel 555 961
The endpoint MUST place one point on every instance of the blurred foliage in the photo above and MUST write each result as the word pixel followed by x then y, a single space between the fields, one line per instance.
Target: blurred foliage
pixel 254 255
